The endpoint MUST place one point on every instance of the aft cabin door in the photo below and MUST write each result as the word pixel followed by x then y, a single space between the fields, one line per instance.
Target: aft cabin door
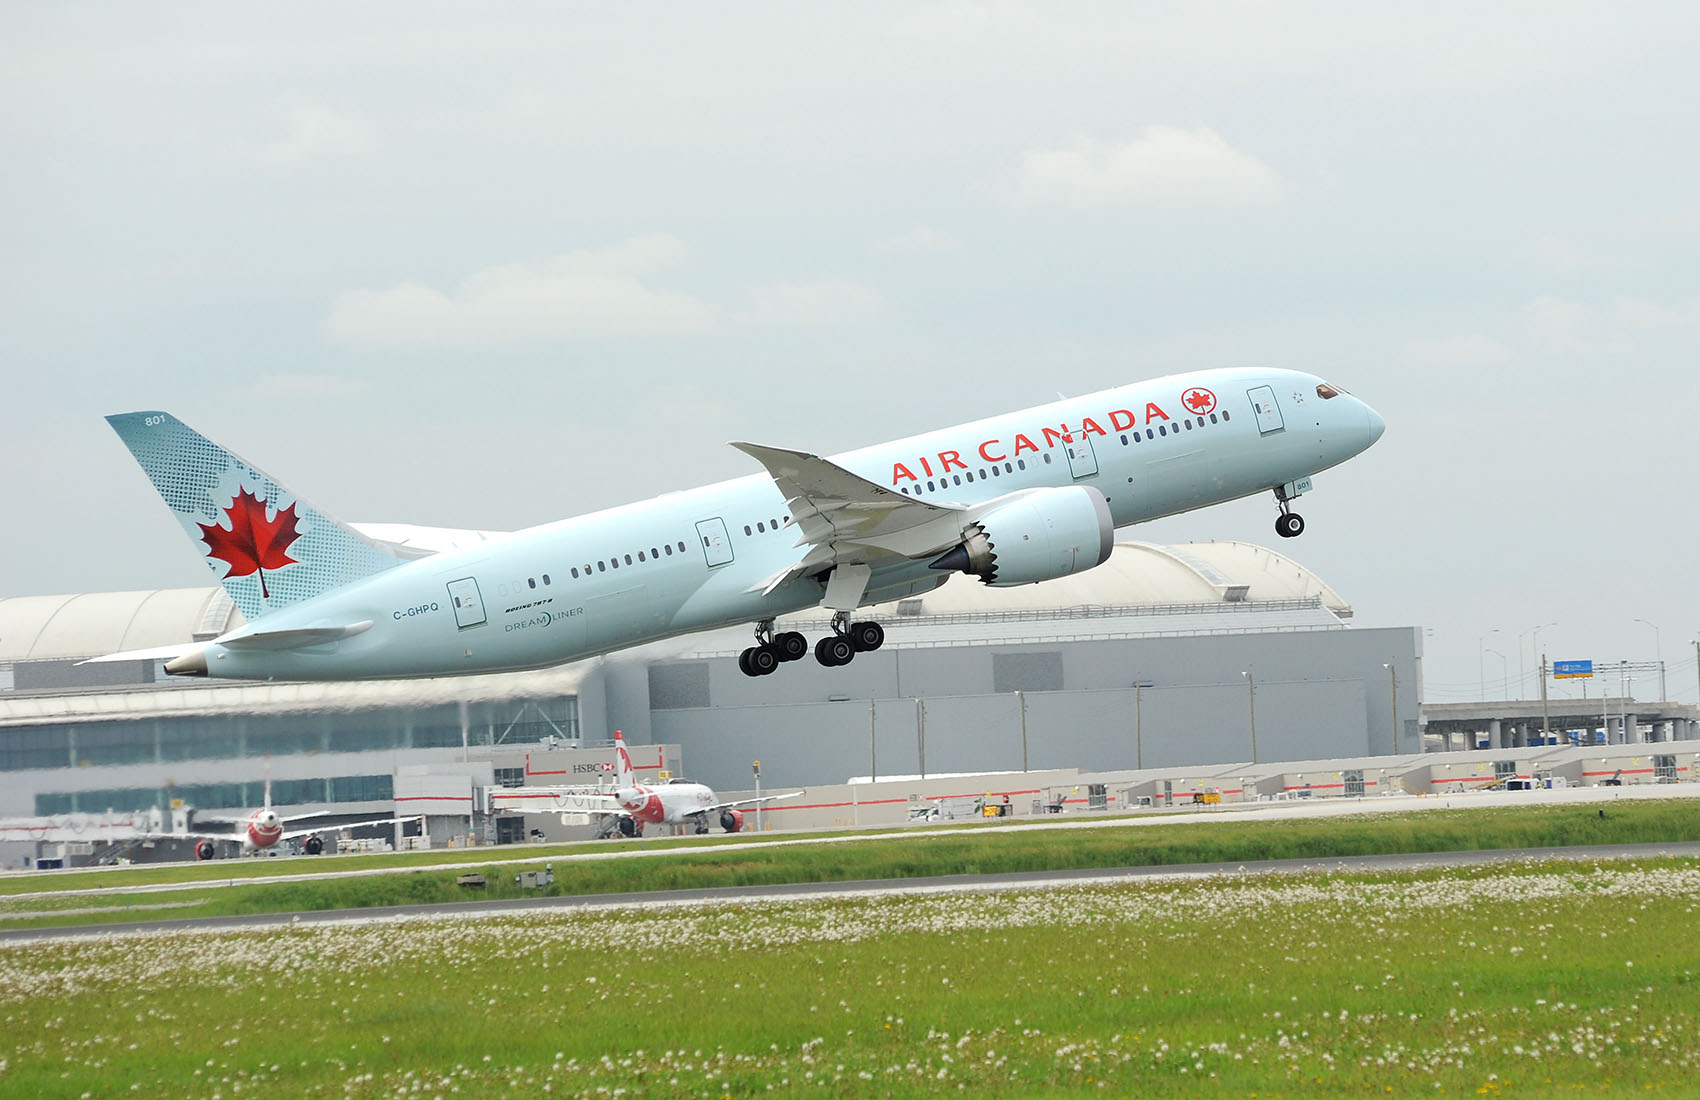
pixel 716 547
pixel 1082 462
pixel 1264 408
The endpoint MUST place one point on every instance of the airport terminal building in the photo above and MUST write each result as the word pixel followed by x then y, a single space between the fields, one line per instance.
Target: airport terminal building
pixel 1164 656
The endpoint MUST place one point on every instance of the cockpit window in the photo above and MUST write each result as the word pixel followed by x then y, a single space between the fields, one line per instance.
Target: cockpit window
pixel 1325 391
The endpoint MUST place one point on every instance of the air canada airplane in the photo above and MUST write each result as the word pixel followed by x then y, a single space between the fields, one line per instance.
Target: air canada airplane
pixel 265 828
pixel 1014 499
pixel 628 805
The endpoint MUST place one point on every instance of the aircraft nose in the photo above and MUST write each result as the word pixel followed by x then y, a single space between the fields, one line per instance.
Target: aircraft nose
pixel 1374 426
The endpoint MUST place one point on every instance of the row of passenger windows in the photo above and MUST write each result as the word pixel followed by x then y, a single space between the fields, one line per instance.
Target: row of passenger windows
pixel 1175 429
pixel 986 474
pixel 763 527
pixel 655 553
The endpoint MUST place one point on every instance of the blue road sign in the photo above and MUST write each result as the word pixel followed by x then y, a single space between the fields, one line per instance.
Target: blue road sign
pixel 1572 670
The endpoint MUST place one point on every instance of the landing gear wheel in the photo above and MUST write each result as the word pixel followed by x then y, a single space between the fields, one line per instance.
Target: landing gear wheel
pixel 1289 525
pixel 866 636
pixel 834 650
pixel 758 660
pixel 791 646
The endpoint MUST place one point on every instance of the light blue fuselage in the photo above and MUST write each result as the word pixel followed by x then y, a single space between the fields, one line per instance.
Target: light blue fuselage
pixel 700 559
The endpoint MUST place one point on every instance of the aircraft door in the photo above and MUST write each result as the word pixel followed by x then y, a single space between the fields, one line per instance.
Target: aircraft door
pixel 1268 413
pixel 716 546
pixel 1082 461
pixel 468 604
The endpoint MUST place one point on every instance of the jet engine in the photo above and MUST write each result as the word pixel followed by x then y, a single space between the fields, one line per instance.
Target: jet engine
pixel 313 845
pixel 1035 536
pixel 732 820
pixel 204 849
pixel 629 827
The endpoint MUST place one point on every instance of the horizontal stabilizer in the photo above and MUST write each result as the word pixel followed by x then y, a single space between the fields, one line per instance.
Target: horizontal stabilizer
pixel 294 639
pixel 157 653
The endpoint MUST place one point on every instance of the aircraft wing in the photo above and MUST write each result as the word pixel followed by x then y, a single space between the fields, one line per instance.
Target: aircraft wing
pixel 763 800
pixel 845 519
pixel 291 834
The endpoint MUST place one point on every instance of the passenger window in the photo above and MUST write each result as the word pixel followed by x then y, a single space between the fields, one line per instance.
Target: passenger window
pixel 1021 462
pixel 640 555
pixel 761 528
pixel 545 578
pixel 1047 458
pixel 1188 423
pixel 971 476
pixel 929 486
pixel 601 567
pixel 1225 416
pixel 1162 429
pixel 669 549
pixel 628 559
pixel 1212 418
pixel 654 553
pixel 614 561
pixel 531 582
pixel 747 529
pixel 682 545
pixel 575 572
pixel 1150 434
pixel 958 478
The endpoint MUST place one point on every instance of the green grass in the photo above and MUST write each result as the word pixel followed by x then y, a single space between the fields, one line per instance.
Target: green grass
pixel 921 852
pixel 1528 980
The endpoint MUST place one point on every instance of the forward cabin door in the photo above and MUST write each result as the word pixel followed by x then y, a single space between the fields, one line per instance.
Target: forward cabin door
pixel 716 546
pixel 1267 412
pixel 1082 461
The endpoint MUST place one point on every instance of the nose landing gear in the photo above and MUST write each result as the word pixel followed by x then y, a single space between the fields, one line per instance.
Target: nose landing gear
pixel 1289 524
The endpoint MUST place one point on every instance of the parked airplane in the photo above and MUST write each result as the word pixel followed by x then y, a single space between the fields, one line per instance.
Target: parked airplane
pixel 265 828
pixel 628 805
pixel 1013 499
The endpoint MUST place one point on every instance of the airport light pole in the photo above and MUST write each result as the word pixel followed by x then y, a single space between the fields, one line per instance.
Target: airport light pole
pixel 1251 705
pixel 1504 669
pixel 1659 653
pixel 1481 675
pixel 1536 631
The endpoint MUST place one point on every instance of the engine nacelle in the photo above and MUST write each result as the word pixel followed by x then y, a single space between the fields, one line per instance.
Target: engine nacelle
pixel 1036 536
pixel 204 850
pixel 313 845
pixel 732 820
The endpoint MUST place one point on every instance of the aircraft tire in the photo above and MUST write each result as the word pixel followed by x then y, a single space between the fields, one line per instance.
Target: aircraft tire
pixel 867 636
pixel 1289 525
pixel 762 660
pixel 744 661
pixel 792 646
pixel 834 650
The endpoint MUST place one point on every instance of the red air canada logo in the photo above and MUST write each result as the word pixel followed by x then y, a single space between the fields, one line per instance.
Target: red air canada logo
pixel 252 543
pixel 1199 401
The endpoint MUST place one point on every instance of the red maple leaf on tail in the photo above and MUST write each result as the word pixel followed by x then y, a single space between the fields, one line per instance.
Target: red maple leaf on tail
pixel 252 543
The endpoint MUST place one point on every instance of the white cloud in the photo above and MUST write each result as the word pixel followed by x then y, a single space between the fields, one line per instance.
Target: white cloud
pixel 591 293
pixel 313 129
pixel 1473 350
pixel 1165 167
pixel 919 240
pixel 823 302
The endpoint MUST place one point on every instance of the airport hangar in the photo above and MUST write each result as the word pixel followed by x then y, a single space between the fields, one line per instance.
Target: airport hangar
pixel 1213 659
pixel 1165 656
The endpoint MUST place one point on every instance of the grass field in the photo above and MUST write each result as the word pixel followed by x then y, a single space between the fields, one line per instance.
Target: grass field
pixel 1516 980
pixel 918 853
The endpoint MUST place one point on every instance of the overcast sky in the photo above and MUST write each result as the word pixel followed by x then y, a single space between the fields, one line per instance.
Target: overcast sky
pixel 425 265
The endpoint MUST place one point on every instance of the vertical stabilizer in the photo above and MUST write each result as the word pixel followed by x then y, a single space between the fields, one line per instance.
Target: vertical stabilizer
pixel 625 776
pixel 268 547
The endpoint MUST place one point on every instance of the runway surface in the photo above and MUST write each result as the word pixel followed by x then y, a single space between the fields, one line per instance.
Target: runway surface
pixel 815 890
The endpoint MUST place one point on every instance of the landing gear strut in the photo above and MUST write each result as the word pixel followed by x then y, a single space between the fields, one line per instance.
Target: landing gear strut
pixel 771 650
pixel 1289 524
pixel 848 639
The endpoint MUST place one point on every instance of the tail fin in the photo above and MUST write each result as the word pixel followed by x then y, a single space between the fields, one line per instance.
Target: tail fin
pixel 268 547
pixel 624 774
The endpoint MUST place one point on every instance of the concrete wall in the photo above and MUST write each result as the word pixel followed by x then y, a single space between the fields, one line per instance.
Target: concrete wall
pixel 1313 694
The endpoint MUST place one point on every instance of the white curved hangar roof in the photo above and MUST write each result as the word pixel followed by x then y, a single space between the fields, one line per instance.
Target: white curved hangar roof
pixel 39 628
pixel 1138 574
pixel 1141 574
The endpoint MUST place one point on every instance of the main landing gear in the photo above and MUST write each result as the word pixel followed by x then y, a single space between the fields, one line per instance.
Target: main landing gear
pixel 1289 524
pixel 838 648
pixel 771 650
